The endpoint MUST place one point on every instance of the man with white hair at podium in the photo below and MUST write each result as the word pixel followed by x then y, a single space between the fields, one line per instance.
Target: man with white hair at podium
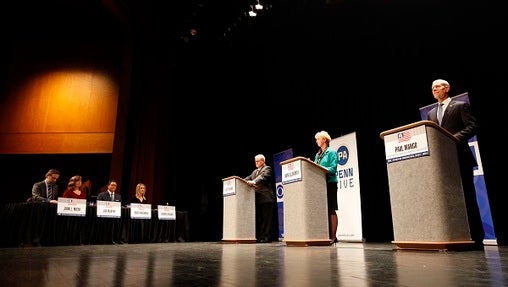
pixel 456 117
pixel 263 182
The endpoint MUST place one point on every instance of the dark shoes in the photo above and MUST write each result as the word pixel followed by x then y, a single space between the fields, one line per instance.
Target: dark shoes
pixel 478 246
pixel 263 240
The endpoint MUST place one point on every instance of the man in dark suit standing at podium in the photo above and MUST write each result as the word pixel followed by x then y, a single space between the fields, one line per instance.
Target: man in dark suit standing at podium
pixel 456 117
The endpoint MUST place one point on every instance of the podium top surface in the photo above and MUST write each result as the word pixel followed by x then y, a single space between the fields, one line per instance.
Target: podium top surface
pixel 303 159
pixel 416 124
pixel 234 177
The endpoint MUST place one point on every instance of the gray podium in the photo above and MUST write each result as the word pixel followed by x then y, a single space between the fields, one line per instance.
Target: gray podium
pixel 426 196
pixel 239 218
pixel 305 203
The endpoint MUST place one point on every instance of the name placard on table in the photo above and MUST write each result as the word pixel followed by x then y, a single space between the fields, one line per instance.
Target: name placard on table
pixel 71 206
pixel 141 211
pixel 166 212
pixel 109 209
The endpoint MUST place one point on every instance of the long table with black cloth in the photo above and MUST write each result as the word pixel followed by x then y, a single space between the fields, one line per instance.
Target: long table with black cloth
pixel 38 224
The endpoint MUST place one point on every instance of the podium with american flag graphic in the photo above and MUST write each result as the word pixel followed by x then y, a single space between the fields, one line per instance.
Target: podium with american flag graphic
pixel 305 203
pixel 426 197
pixel 239 213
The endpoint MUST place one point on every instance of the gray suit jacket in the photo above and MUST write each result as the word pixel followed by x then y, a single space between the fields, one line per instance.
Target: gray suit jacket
pixel 264 182
pixel 40 192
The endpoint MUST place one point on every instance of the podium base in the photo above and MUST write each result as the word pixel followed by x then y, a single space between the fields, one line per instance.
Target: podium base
pixel 238 240
pixel 433 246
pixel 304 243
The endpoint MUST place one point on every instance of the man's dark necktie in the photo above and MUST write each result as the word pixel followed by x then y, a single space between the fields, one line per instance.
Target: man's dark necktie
pixel 50 191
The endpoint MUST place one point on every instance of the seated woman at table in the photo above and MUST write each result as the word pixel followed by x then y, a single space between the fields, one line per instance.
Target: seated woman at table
pixel 74 188
pixel 140 196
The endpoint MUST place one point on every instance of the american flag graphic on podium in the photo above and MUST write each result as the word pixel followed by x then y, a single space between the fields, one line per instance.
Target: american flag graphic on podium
pixel 404 136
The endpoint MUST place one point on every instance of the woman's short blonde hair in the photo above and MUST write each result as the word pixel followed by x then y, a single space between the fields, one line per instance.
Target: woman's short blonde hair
pixel 323 135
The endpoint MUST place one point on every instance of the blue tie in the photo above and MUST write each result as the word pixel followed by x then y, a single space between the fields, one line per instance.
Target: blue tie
pixel 439 113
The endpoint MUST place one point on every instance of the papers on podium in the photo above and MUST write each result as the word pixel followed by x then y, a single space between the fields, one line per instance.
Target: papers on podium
pixel 71 206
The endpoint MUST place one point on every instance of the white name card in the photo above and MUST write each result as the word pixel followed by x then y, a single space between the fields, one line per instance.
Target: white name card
pixel 141 211
pixel 109 209
pixel 228 187
pixel 166 212
pixel 292 172
pixel 71 206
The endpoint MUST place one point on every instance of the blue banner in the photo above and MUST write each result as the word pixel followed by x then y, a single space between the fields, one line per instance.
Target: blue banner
pixel 279 188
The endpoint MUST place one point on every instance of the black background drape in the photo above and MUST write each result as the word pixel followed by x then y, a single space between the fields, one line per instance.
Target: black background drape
pixel 197 110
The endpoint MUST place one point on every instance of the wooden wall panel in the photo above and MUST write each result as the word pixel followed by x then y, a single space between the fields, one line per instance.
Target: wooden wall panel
pixel 65 111
pixel 56 143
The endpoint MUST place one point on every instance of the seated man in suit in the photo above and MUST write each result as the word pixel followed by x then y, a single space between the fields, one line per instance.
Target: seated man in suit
pixel 47 189
pixel 110 194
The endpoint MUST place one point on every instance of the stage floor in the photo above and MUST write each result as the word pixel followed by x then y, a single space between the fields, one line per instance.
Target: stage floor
pixel 254 264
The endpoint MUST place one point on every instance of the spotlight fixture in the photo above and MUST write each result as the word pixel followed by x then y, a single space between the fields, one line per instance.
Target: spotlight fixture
pixel 252 13
pixel 259 6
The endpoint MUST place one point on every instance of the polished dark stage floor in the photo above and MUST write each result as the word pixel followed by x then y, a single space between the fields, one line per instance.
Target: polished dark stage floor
pixel 269 264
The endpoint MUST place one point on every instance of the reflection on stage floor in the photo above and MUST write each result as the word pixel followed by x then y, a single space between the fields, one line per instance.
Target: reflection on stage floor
pixel 254 264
